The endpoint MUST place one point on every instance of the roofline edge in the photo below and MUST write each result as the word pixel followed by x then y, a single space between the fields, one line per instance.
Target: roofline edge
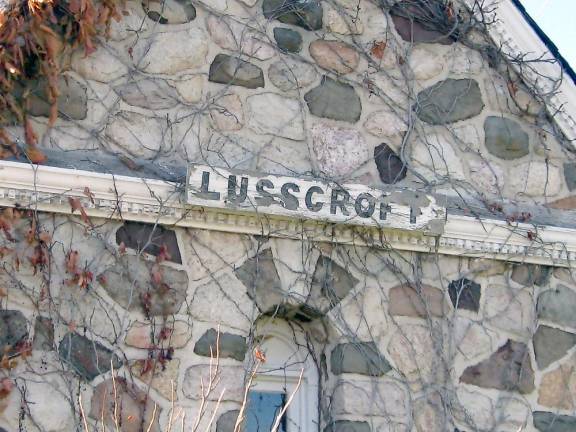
pixel 513 31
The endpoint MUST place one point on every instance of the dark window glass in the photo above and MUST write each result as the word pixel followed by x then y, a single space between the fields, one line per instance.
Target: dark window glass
pixel 263 407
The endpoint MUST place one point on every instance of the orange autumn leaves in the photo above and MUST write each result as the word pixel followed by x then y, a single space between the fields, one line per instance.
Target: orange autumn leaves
pixel 76 205
pixel 33 36
pixel 80 276
pixel 23 238
pixel 34 241
pixel 377 50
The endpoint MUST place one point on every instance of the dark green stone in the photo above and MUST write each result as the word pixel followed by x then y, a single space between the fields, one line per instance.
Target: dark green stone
pixel 130 284
pixel 230 70
pixel 558 306
pixel 330 284
pixel 334 100
pixel 149 238
pixel 551 344
pixel 13 330
pixel 550 422
pixel 424 21
pixel 86 357
pixel 390 167
pixel 231 345
pixel 156 17
pixel 531 274
pixel 505 138
pixel 261 279
pixel 303 13
pixel 288 40
pixel 331 281
pixel 449 101
pixel 570 175
pixel 227 421
pixel 362 358
pixel 187 13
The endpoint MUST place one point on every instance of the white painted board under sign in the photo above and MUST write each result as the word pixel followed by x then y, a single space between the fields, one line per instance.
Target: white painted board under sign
pixel 301 198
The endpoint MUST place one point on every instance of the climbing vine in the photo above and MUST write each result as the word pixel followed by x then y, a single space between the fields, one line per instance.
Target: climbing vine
pixel 34 35
pixel 148 325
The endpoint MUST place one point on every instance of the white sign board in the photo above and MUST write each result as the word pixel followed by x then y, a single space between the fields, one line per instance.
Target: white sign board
pixel 291 197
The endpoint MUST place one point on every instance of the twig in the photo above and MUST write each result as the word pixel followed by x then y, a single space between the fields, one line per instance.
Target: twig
pixel 170 419
pixel 153 417
pixel 213 379
pixel 241 417
pixel 115 397
pixel 82 413
pixel 287 404
pixel 215 409
pixel 102 412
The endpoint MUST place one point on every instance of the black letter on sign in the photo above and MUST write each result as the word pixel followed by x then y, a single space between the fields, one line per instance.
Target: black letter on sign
pixel 234 198
pixel 266 198
pixel 204 193
pixel 360 210
pixel 384 209
pixel 315 207
pixel 412 215
pixel 337 202
pixel 290 201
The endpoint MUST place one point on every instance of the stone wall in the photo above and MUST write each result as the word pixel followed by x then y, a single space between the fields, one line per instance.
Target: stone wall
pixel 355 90
pixel 100 317
pixel 402 341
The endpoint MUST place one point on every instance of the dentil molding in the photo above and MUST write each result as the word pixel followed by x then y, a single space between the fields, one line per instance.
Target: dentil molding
pixel 49 189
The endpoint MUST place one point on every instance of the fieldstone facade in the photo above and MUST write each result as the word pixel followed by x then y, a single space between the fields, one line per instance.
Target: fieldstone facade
pixel 407 339
pixel 99 314
pixel 316 73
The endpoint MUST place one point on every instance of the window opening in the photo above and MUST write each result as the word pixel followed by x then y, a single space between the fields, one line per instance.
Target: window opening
pixel 263 408
pixel 277 380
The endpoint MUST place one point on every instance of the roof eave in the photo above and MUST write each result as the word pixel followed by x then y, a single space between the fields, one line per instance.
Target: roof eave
pixel 519 36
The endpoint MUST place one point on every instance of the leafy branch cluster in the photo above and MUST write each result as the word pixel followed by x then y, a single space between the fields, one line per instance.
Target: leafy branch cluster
pixel 33 36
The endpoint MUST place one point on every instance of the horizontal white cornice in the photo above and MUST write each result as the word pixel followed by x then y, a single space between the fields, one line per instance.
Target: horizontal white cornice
pixel 49 189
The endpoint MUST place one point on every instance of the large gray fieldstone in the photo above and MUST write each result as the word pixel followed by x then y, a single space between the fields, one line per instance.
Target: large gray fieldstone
pixel 505 138
pixel 509 369
pixel 551 344
pixel 449 101
pixel 86 357
pixel 558 306
pixel 230 345
pixel 227 421
pixel 231 70
pixel 13 330
pixel 550 422
pixel 362 358
pixel 288 40
pixel 334 100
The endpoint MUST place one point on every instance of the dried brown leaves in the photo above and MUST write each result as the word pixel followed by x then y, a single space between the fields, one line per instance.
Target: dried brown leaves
pixel 33 36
